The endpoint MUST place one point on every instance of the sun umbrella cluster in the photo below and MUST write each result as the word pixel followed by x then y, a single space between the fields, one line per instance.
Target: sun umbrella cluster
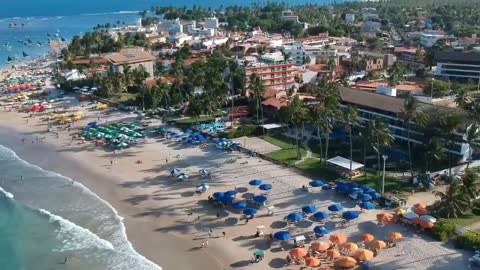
pixel 117 135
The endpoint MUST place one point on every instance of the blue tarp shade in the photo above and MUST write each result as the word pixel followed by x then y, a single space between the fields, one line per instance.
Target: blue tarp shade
pixel 260 199
pixel 294 217
pixel 265 187
pixel 365 197
pixel 316 183
pixel 310 209
pixel 335 207
pixel 250 212
pixel 367 205
pixel 255 182
pixel 240 205
pixel 350 215
pixel 321 215
pixel 321 230
pixel 282 236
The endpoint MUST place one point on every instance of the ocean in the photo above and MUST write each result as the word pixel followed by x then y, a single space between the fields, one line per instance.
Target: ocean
pixel 46 217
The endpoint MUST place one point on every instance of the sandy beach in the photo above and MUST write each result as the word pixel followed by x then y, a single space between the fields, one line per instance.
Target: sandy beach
pixel 155 205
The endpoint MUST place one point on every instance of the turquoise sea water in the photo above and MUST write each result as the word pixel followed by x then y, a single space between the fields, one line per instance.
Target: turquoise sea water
pixel 46 217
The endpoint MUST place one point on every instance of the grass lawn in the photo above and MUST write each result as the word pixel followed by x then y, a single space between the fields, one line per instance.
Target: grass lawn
pixel 192 120
pixel 374 181
pixel 466 219
pixel 123 98
pixel 280 141
pixel 313 167
pixel 288 155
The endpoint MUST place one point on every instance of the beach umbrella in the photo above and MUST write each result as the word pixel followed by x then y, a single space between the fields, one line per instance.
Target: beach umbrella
pixel 385 218
pixel 260 199
pixel 240 205
pixel 309 209
pixel 333 253
pixel 175 171
pixel 367 238
pixel 294 217
pixel 265 187
pixel 342 189
pixel 363 254
pixel 316 183
pixel 349 247
pixel 426 224
pixel 122 145
pixel 312 262
pixel 428 218
pixel 394 236
pixel 226 200
pixel 338 238
pixel 365 197
pixel 203 172
pixel 351 215
pixel 379 244
pixel 321 230
pixel 218 195
pixel 203 187
pixel 298 252
pixel 321 215
pixel 416 220
pixel 335 207
pixel 320 246
pixel 368 190
pixel 345 262
pixel 255 182
pixel 420 209
pixel 326 187
pixel 376 195
pixel 411 215
pixel 403 210
pixel 367 205
pixel 231 193
pixel 250 211
pixel 183 176
pixel 282 236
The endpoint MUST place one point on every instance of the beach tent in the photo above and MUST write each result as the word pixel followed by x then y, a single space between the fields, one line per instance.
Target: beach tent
pixel 250 212
pixel 335 207
pixel 294 217
pixel 282 236
pixel 351 215
pixel 316 183
pixel 260 199
pixel 265 187
pixel 309 209
pixel 321 215
pixel 321 230
pixel 320 246
pixel 255 182
pixel 240 205
pixel 367 205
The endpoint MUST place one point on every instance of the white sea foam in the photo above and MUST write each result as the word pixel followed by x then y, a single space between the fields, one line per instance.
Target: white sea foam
pixel 117 216
pixel 75 237
pixel 112 13
pixel 7 194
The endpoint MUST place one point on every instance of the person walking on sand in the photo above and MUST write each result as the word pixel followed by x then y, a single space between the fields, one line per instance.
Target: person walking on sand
pixel 111 162
pixel 65 261
pixel 206 243
pixel 210 233
pixel 203 244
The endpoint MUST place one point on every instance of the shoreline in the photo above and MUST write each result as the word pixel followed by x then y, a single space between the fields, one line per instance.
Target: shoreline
pixel 140 233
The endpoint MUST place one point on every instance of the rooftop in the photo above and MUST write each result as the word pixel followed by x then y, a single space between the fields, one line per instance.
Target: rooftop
pixel 457 56
pixel 130 56
pixel 371 100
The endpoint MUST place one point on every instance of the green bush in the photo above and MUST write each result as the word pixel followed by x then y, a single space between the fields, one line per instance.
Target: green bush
pixel 245 131
pixel 444 230
pixel 469 241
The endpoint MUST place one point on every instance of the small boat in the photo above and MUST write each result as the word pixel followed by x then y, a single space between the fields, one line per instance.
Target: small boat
pixel 10 59
pixel 24 54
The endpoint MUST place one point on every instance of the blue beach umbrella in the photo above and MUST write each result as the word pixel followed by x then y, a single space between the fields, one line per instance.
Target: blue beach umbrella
pixel 365 197
pixel 218 195
pixel 250 211
pixel 240 205
pixel 321 230
pixel 341 188
pixel 231 193
pixel 183 177
pixel 226 200
pixel 326 187
pixel 376 196
pixel 369 191
pixel 350 215
pixel 294 217
pixel 335 207
pixel 282 236
pixel 367 205
pixel 321 215
pixel 265 187
pixel 175 171
pixel 260 199
pixel 309 209
pixel 316 183
pixel 255 182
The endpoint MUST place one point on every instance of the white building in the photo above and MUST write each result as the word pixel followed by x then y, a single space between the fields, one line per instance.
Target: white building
pixel 74 75
pixel 429 38
pixel 179 39
pixel 458 65
pixel 288 15
pixel 211 23
pixel 298 52
pixel 207 32
pixel 350 18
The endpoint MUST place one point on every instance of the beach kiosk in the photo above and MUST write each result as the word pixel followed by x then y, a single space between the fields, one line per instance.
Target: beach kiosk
pixel 342 166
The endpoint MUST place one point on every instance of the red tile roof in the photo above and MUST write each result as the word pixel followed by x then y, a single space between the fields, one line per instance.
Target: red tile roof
pixel 274 102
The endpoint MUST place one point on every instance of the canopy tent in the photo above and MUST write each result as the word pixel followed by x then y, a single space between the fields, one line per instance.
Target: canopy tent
pixel 345 163
pixel 282 236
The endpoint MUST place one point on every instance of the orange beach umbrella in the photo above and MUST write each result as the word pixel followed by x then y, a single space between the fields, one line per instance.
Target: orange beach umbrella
pixel 367 238
pixel 298 252
pixel 333 253
pixel 384 218
pixel 312 262
pixel 379 244
pixel 338 238
pixel 395 236
pixel 350 246
pixel 320 246
pixel 346 262
pixel 363 255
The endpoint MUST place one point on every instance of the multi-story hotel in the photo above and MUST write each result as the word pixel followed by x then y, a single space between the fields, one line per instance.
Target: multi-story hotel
pixel 458 65
pixel 275 73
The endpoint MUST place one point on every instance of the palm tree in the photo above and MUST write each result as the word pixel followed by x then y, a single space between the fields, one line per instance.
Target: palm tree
pixel 472 138
pixel 317 119
pixel 298 114
pixel 350 117
pixel 411 113
pixel 396 74
pixel 471 184
pixel 381 136
pixel 461 98
pixel 434 150
pixel 448 126
pixel 332 65
pixel 453 202
pixel 258 88
pixel 329 98
pixel 366 138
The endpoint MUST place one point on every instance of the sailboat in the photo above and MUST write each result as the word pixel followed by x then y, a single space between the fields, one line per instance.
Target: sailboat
pixel 24 54
pixel 10 59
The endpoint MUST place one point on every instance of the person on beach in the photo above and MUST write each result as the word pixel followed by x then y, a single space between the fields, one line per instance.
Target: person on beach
pixel 111 162
pixel 206 243
pixel 224 234
pixel 210 233
pixel 166 160
pixel 65 261
pixel 203 244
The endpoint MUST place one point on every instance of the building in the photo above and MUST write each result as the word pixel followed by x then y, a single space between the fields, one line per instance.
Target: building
pixel 429 38
pixel 211 23
pixel 275 73
pixel 134 58
pixel 389 109
pixel 289 16
pixel 410 57
pixel 206 32
pixel 350 18
pixel 370 28
pixel 458 65
pixel 179 39
pixel 299 52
